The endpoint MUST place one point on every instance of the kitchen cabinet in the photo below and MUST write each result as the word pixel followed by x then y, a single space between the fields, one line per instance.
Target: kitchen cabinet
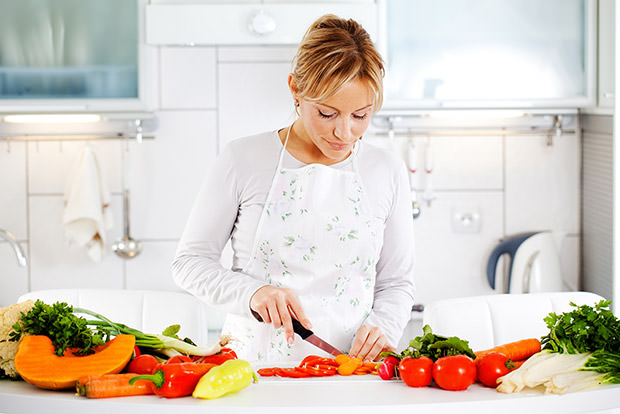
pixel 489 54
pixel 71 55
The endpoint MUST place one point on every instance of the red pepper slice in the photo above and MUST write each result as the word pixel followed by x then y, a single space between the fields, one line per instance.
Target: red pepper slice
pixel 309 358
pixel 290 373
pixel 266 372
pixel 317 372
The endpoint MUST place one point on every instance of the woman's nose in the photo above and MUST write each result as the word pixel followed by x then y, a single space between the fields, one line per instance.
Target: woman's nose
pixel 343 131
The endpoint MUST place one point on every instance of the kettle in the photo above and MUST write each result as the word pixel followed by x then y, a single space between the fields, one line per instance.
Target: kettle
pixel 534 263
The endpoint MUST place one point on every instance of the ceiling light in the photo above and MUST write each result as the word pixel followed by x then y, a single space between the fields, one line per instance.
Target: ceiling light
pixel 52 118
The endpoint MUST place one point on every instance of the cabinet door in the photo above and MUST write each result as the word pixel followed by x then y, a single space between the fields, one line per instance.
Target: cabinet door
pixel 606 53
pixel 490 53
pixel 68 50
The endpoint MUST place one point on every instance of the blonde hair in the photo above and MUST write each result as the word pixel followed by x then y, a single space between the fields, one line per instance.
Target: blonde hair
pixel 333 52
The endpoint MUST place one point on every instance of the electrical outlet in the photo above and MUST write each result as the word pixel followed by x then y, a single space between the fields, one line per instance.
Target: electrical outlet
pixel 466 221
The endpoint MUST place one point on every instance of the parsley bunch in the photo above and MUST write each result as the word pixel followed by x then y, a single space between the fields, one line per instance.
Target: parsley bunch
pixel 58 322
pixel 585 329
pixel 436 346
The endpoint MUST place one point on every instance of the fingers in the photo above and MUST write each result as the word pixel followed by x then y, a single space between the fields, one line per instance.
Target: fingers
pixel 298 312
pixel 275 306
pixel 369 343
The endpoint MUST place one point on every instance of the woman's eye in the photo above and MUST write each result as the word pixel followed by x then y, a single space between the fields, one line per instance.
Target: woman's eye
pixel 360 116
pixel 324 115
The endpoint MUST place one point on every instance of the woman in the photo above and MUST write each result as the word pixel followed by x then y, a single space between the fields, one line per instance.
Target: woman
pixel 320 222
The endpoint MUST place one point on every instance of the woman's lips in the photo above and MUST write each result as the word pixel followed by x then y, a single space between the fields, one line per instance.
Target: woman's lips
pixel 338 147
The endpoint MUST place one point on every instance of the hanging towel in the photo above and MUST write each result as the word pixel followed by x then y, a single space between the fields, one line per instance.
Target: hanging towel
pixel 87 213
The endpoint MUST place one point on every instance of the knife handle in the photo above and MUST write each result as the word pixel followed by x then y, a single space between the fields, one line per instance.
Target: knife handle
pixel 297 326
pixel 300 330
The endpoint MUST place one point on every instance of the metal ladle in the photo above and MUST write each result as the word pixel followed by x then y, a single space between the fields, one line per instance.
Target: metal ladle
pixel 126 247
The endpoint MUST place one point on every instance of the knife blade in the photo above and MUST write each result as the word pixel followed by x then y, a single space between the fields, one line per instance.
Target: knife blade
pixel 309 336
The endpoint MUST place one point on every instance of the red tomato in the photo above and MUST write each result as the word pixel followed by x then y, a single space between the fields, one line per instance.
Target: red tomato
pixel 454 373
pixel 492 366
pixel 143 364
pixel 179 358
pixel 416 372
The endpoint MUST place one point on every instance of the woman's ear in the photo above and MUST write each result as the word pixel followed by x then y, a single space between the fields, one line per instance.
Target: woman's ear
pixel 292 86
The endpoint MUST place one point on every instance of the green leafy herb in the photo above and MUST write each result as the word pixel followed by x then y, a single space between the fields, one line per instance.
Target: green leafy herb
pixel 58 322
pixel 436 346
pixel 585 329
pixel 172 332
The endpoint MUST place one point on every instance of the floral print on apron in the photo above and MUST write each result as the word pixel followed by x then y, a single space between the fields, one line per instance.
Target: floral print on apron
pixel 317 237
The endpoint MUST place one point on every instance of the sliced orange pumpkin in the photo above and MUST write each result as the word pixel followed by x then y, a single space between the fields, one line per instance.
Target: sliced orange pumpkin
pixel 37 364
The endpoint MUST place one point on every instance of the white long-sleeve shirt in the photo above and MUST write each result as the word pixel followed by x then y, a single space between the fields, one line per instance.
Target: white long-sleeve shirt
pixel 229 206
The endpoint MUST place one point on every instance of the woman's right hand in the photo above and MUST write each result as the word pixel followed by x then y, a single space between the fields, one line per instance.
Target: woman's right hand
pixel 276 306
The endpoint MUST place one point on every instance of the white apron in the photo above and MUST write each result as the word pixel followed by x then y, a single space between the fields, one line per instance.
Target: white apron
pixel 316 236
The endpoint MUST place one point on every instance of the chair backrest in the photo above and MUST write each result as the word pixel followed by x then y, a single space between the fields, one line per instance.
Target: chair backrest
pixel 491 320
pixel 149 311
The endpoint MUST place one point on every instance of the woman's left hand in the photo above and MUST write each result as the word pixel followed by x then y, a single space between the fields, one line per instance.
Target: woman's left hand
pixel 369 343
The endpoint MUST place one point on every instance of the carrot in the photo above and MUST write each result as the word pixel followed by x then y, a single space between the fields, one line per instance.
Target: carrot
pixel 515 351
pixel 348 367
pixel 342 358
pixel 112 385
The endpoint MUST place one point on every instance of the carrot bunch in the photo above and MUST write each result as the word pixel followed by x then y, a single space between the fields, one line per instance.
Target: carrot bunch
pixel 316 366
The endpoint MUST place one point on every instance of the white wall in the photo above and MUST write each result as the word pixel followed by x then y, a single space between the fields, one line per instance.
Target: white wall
pixel 210 95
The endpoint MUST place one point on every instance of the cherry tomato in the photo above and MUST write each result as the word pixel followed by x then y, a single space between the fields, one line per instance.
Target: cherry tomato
pixel 455 372
pixel 143 364
pixel 179 358
pixel 416 372
pixel 492 366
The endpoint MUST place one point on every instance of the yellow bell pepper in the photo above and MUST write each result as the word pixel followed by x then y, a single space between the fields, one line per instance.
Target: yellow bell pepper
pixel 231 376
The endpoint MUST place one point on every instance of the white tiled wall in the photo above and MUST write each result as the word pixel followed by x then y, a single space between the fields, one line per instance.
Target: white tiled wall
pixel 208 96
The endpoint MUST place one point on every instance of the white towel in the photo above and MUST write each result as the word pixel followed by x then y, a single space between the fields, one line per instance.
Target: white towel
pixel 87 212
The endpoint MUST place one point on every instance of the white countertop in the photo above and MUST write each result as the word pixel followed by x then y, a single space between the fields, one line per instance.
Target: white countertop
pixel 363 394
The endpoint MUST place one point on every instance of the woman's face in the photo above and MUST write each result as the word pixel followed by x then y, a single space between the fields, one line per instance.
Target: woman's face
pixel 335 124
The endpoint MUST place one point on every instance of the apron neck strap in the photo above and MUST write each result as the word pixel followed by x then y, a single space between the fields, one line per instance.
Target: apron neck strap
pixel 288 132
pixel 354 151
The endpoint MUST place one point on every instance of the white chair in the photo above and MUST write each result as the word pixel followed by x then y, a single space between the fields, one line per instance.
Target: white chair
pixel 149 311
pixel 491 320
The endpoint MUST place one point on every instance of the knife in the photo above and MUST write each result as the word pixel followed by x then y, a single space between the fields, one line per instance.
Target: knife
pixel 308 336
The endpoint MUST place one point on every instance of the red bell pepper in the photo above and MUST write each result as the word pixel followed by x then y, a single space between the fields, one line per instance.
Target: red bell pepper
pixel 218 359
pixel 176 379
